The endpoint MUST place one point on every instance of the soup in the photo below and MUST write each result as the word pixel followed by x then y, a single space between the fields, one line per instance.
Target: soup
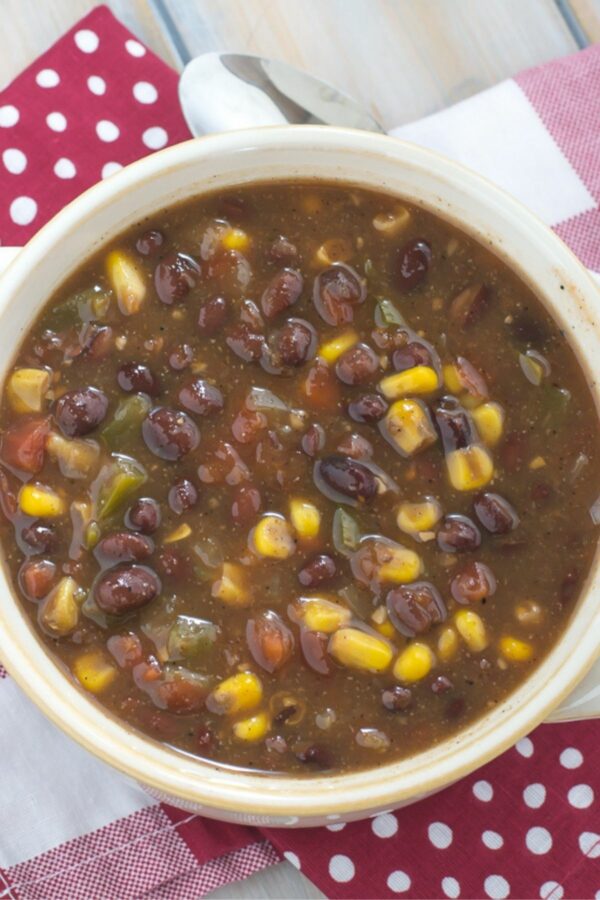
pixel 297 477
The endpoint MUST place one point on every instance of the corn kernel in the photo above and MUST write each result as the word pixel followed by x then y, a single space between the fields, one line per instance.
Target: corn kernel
pixel 413 518
pixel 382 624
pixel 538 462
pixel 331 350
pixel 391 223
pixel 252 729
pixel 319 614
pixel 447 644
pixel 272 537
pixel 127 282
pixel 236 694
pixel 94 671
pixel 418 380
pixel 409 427
pixel 452 379
pixel 359 650
pixel 414 663
pixel 231 586
pixel 180 533
pixel 489 421
pixel 41 501
pixel 235 239
pixel 402 566
pixel 306 518
pixel 76 458
pixel 58 614
pixel 332 251
pixel 515 650
pixel 26 389
pixel 469 468
pixel 471 629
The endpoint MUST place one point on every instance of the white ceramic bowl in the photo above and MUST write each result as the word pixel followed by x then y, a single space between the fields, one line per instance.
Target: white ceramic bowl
pixel 424 178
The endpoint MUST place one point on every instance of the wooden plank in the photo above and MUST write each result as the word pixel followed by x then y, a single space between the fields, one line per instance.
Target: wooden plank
pixel 403 58
pixel 587 13
pixel 29 27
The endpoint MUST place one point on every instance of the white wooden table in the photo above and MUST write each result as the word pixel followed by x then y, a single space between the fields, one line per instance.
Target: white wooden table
pixel 403 58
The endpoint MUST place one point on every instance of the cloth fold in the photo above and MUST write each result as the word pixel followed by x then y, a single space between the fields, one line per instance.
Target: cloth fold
pixel 526 825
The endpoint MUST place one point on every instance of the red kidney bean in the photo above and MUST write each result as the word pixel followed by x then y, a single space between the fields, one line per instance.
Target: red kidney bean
pixel 495 513
pixel 143 516
pixel 246 504
pixel 36 578
pixel 282 251
pixel 169 433
pixel 136 378
pixel 81 411
pixel 441 685
pixel 317 571
pixel 469 306
pixel 414 608
pixel 412 263
pixel 314 650
pixel 397 698
pixel 457 534
pixel 336 290
pixel 172 564
pixel 247 344
pixel 368 408
pixel 283 291
pixel 126 649
pixel 313 440
pixel 415 353
pixel 356 446
pixel 343 479
pixel 182 496
pixel 124 546
pixel 295 343
pixel 247 426
pixel 175 276
pixel 39 538
pixel 212 316
pixel 270 641
pixel 181 357
pixel 201 397
pixel 474 582
pixel 150 242
pixel 126 588
pixel 358 365
pixel 316 755
pixel 455 427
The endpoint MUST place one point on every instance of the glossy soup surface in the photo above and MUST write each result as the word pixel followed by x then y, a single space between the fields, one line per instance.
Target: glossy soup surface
pixel 297 478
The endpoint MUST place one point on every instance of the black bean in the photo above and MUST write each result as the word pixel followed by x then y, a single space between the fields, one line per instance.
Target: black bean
pixel 357 365
pixel 441 685
pixel 336 290
pixel 317 570
pixel 368 408
pixel 79 412
pixel 175 276
pixel 313 440
pixel 412 264
pixel 283 291
pixel 495 513
pixel 282 251
pixel 126 588
pixel 182 496
pixel 212 315
pixel 124 546
pixel 143 516
pixel 474 582
pixel 245 343
pixel 397 698
pixel 314 650
pixel 455 427
pixel 170 433
pixel 344 479
pixel 180 357
pixel 317 755
pixel 150 242
pixel 414 608
pixel 294 343
pixel 36 578
pixel 39 537
pixel 135 377
pixel 201 397
pixel 457 534
pixel 415 353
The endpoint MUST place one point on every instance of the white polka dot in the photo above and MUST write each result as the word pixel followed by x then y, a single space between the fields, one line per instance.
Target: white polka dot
pixel 341 868
pixel 538 840
pixel 110 168
pixel 64 168
pixel 385 825
pixel 440 835
pixel 107 131
pixel 589 844
pixel 56 121
pixel 483 791
pixel 135 48
pixel 87 40
pixel 451 887
pixel 337 826
pixel 292 858
pixel 47 78
pixel 23 210
pixel 398 881
pixel 492 840
pixel 496 887
pixel 571 758
pixel 525 747
pixel 96 85
pixel 581 796
pixel 144 92
pixel 155 137
pixel 534 795
pixel 552 890
pixel 9 115
pixel 14 160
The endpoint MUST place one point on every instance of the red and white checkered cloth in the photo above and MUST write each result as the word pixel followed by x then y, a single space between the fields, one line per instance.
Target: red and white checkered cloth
pixel 528 824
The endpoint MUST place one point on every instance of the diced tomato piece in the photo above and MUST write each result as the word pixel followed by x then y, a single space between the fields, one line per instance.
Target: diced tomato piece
pixel 322 389
pixel 23 445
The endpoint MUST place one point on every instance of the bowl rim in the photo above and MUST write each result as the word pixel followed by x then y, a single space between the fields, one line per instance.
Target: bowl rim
pixel 217 788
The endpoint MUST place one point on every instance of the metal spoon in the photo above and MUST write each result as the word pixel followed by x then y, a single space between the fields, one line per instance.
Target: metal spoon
pixel 225 91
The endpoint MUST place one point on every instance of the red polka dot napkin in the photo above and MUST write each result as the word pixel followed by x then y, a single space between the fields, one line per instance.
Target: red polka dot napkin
pixel 526 825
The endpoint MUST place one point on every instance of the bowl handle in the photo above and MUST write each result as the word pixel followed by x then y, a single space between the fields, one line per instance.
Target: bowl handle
pixel 583 702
